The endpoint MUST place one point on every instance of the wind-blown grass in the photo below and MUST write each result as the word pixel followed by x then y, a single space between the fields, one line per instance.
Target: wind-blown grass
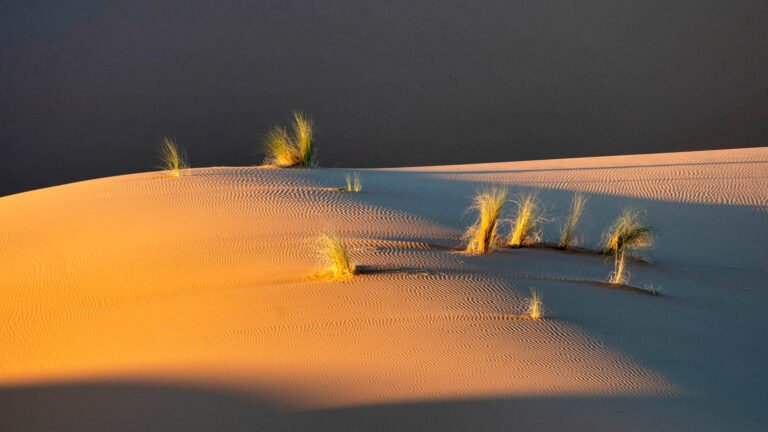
pixel 353 183
pixel 291 149
pixel 577 208
pixel 279 148
pixel 481 236
pixel 629 232
pixel 303 138
pixel 535 305
pixel 528 220
pixel 335 257
pixel 172 157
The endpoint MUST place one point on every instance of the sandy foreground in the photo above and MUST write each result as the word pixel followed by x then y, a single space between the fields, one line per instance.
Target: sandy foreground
pixel 142 302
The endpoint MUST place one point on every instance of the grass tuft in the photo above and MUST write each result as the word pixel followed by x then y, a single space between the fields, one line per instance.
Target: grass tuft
pixel 629 232
pixel 481 236
pixel 303 139
pixel 335 258
pixel 279 148
pixel 535 305
pixel 173 158
pixel 354 184
pixel 577 208
pixel 291 149
pixel 528 220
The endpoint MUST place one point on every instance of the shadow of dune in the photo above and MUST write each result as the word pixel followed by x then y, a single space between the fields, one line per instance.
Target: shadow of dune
pixel 710 258
pixel 143 406
pixel 712 235
pixel 130 406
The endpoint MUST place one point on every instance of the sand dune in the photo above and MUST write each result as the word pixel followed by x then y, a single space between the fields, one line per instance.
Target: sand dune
pixel 204 283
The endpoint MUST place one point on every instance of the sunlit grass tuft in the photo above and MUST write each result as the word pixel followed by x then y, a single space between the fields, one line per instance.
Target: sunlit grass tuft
pixel 481 236
pixel 353 183
pixel 528 220
pixel 334 254
pixel 628 232
pixel 173 158
pixel 303 138
pixel 279 148
pixel 285 149
pixel 535 305
pixel 577 208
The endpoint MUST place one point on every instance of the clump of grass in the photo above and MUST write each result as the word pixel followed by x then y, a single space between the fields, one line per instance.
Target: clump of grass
pixel 629 232
pixel 335 257
pixel 577 208
pixel 303 138
pixel 279 148
pixel 172 157
pixel 481 235
pixel 535 305
pixel 528 220
pixel 653 289
pixel 354 184
pixel 286 149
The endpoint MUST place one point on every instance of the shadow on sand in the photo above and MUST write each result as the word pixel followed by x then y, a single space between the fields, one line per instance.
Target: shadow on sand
pixel 143 406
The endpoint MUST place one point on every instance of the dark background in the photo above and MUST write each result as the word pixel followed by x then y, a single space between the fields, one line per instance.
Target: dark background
pixel 87 88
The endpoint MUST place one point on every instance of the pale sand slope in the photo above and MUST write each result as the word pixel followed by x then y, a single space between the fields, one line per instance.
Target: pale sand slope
pixel 144 302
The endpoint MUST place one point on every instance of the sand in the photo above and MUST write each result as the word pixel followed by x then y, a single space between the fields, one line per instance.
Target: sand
pixel 146 302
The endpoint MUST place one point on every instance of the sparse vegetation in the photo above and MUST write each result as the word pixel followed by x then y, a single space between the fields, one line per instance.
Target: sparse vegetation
pixel 528 220
pixel 335 257
pixel 173 158
pixel 628 233
pixel 286 149
pixel 354 184
pixel 481 235
pixel 653 289
pixel 279 148
pixel 535 305
pixel 577 208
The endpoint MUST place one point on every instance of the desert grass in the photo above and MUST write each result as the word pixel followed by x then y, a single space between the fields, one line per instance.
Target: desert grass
pixel 577 208
pixel 334 254
pixel 296 148
pixel 353 183
pixel 172 157
pixel 629 232
pixel 527 222
pixel 535 305
pixel 481 235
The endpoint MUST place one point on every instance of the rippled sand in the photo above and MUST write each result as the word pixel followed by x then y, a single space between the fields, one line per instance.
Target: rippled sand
pixel 203 284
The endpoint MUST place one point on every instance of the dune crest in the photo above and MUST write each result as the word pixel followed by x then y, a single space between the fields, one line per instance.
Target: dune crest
pixel 204 279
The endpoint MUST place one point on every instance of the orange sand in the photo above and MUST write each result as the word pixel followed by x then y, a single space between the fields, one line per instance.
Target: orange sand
pixel 204 280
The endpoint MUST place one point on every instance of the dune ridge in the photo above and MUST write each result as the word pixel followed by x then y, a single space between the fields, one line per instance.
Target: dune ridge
pixel 205 279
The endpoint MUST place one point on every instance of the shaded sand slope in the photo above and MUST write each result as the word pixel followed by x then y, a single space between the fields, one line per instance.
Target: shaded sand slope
pixel 197 293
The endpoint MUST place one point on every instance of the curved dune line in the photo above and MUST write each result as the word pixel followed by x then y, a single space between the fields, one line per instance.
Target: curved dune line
pixel 705 181
pixel 205 278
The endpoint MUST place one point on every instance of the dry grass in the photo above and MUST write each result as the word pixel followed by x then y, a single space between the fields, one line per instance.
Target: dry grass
pixel 535 305
pixel 527 222
pixel 335 257
pixel 353 184
pixel 481 236
pixel 619 276
pixel 279 148
pixel 285 149
pixel 303 139
pixel 577 208
pixel 629 232
pixel 173 158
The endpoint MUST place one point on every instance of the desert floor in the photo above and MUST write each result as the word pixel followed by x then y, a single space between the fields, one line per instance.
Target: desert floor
pixel 144 302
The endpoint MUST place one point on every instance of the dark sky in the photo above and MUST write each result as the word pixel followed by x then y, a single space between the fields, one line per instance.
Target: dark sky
pixel 88 88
